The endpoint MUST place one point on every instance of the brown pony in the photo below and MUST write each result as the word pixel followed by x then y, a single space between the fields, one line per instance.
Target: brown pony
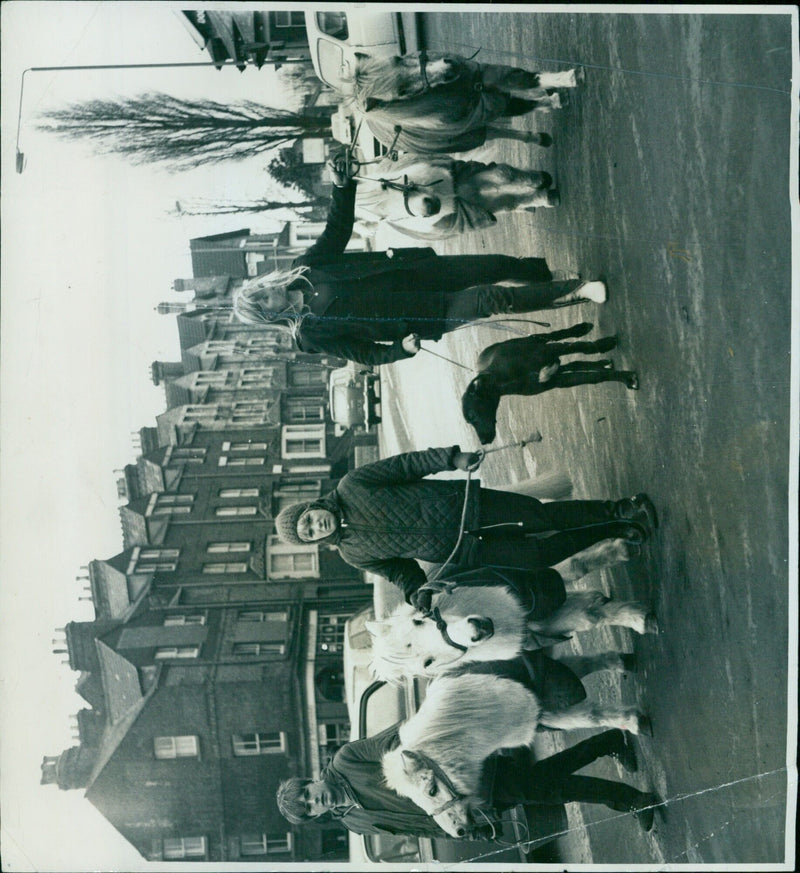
pixel 446 103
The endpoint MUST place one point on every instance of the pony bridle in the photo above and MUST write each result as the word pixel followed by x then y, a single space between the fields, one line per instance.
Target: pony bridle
pixel 442 777
pixel 441 625
pixel 407 188
pixel 423 72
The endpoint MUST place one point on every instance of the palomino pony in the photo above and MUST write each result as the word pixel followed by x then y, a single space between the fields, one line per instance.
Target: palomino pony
pixel 447 103
pixel 462 721
pixel 485 620
pixel 437 197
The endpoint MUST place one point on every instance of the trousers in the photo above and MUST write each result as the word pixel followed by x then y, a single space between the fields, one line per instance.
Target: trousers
pixel 551 781
pixel 576 525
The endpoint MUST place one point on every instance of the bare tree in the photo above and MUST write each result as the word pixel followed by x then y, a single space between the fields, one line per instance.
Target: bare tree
pixel 199 206
pixel 182 133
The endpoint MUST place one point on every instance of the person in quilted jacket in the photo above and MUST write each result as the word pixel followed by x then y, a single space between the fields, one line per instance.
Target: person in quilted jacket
pixel 386 516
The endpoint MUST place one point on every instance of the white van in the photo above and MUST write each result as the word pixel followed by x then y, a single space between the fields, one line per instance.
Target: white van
pixel 335 36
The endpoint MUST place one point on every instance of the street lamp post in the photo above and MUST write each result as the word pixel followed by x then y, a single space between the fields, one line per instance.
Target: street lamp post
pixel 20 162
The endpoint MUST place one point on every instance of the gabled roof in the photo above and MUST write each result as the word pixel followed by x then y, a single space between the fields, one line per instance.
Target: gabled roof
pixel 120 682
pixel 109 589
pixel 113 590
pixel 151 473
pixel 134 526
pixel 191 362
pixel 177 395
pixel 192 328
pixel 167 426
pixel 91 690
pixel 116 730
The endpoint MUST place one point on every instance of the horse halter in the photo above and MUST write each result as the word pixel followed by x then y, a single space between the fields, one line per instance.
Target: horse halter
pixel 442 777
pixel 407 188
pixel 441 625
pixel 423 72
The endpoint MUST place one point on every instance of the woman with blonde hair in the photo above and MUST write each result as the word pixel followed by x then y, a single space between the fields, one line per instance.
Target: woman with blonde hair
pixel 375 307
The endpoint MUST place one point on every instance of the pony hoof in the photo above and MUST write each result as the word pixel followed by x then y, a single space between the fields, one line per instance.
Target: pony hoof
pixel 650 624
pixel 645 726
pixel 629 662
pixel 633 382
pixel 553 197
pixel 636 533
pixel 545 180
pixel 580 75
pixel 542 139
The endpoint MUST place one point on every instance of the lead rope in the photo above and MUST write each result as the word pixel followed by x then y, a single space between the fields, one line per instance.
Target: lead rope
pixel 535 437
pixel 519 826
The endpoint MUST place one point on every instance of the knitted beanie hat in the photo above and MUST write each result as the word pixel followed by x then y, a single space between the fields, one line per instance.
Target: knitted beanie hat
pixel 286 522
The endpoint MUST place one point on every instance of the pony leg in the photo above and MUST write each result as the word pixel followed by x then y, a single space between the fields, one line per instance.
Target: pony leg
pixel 542 139
pixel 585 665
pixel 585 610
pixel 587 347
pixel 541 199
pixel 600 556
pixel 564 79
pixel 505 78
pixel 522 106
pixel 590 714
pixel 593 376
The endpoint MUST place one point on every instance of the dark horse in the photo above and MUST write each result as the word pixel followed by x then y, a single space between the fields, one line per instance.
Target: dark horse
pixel 531 365
pixel 429 102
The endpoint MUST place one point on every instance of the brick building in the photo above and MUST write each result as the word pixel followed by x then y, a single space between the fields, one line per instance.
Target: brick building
pixel 214 666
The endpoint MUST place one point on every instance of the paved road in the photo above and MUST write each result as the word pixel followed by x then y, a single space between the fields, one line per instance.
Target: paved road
pixel 673 165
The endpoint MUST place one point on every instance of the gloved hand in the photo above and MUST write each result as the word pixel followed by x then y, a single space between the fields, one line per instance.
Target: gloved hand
pixel 411 344
pixel 421 599
pixel 342 169
pixel 466 460
pixel 481 832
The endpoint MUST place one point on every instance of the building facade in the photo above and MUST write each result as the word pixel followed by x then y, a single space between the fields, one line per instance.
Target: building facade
pixel 214 665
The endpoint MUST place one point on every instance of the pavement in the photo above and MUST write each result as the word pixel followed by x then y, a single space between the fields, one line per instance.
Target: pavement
pixel 673 163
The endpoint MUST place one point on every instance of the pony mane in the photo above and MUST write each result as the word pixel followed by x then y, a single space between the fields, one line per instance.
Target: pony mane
pixel 372 76
pixel 376 75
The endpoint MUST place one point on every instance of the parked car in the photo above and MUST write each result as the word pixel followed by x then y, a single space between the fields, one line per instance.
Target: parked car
pixel 374 705
pixel 354 395
pixel 335 36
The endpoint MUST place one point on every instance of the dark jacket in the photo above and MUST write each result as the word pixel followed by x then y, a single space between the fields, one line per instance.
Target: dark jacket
pixel 362 300
pixel 389 515
pixel 377 808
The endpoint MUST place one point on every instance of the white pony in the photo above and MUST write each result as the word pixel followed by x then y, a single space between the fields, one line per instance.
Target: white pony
pixel 489 623
pixel 462 721
pixel 438 196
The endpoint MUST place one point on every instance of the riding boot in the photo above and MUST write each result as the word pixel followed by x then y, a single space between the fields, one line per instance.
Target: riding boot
pixel 638 508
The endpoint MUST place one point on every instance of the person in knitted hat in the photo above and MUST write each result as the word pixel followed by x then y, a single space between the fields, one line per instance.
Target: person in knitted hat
pixel 386 516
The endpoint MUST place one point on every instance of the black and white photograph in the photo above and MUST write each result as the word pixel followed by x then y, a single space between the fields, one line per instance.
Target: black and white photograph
pixel 399 439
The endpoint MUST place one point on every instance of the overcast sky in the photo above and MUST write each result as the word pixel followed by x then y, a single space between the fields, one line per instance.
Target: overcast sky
pixel 89 249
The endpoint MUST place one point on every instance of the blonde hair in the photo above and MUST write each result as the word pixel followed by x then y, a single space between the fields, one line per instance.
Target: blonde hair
pixel 249 301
